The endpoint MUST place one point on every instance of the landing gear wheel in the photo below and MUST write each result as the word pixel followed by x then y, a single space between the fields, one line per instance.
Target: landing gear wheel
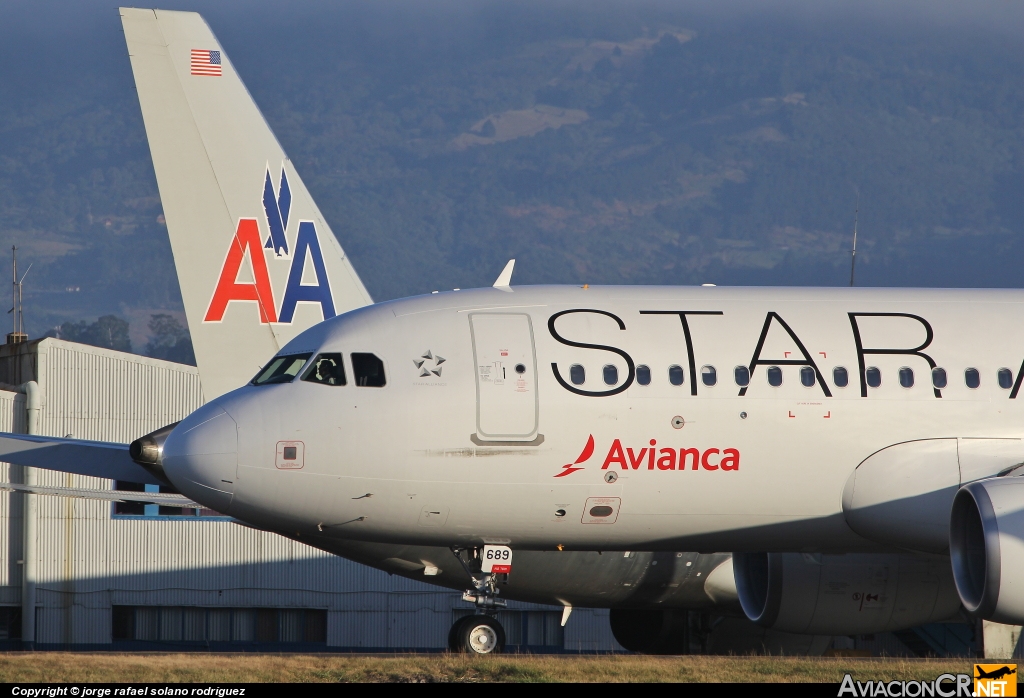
pixel 453 634
pixel 478 635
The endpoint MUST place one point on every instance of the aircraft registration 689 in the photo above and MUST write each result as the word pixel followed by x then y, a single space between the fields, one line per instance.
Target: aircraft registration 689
pixel 670 418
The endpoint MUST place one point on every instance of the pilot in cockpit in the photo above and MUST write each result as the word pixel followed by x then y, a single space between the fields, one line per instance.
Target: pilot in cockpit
pixel 327 371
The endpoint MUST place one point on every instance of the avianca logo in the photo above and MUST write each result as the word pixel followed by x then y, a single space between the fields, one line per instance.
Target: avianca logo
pixel 246 246
pixel 588 451
pixel 653 458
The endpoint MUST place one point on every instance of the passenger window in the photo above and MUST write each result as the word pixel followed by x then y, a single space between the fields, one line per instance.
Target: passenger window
pixel 611 375
pixel 1005 378
pixel 577 374
pixel 939 377
pixel 807 377
pixel 742 374
pixel 326 369
pixel 368 370
pixel 675 375
pixel 708 375
pixel 643 375
pixel 874 377
pixel 972 378
pixel 840 376
pixel 907 377
pixel 774 376
pixel 281 369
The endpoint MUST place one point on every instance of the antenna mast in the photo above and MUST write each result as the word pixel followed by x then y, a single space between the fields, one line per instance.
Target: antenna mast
pixel 853 253
pixel 18 335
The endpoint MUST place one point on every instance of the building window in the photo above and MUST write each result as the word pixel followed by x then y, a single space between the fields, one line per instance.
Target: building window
pixel 131 508
pixel 537 629
pixel 184 624
pixel 10 623
pixel 148 509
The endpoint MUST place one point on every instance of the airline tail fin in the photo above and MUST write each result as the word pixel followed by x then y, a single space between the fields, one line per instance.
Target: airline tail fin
pixel 256 261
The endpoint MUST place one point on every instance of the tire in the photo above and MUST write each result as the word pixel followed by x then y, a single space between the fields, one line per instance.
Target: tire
pixel 479 635
pixel 453 634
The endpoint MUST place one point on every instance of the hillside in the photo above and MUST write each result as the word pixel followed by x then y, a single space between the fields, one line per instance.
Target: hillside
pixel 639 143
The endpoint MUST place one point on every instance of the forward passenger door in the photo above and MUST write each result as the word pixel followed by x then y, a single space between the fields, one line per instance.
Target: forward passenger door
pixel 506 376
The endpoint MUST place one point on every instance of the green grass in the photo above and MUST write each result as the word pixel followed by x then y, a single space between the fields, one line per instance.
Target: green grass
pixel 50 667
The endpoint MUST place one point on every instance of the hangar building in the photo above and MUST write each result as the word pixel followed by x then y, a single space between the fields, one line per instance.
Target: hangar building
pixel 89 574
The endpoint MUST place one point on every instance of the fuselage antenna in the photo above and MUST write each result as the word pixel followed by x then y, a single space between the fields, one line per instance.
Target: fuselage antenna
pixel 853 252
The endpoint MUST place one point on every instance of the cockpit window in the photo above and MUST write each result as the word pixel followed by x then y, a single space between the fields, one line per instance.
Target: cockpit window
pixel 281 369
pixel 326 369
pixel 368 370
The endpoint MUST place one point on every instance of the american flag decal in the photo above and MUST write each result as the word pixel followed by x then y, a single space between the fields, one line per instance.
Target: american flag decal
pixel 205 62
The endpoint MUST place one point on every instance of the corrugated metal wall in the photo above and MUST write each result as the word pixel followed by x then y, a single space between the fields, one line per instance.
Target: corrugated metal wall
pixel 90 561
pixel 12 419
pixel 105 395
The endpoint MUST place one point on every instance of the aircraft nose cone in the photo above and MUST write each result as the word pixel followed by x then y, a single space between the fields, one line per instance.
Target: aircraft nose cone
pixel 200 457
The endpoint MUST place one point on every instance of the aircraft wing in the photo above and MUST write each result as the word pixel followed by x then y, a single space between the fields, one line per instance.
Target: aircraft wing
pixel 78 456
pixel 164 499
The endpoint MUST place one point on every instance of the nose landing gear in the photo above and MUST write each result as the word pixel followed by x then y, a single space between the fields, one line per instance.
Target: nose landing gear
pixel 477 634
pixel 480 633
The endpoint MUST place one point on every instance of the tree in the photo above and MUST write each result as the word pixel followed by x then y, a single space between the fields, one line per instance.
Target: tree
pixel 109 332
pixel 169 340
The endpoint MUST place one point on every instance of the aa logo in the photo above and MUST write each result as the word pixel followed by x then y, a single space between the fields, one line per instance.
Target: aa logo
pixel 995 679
pixel 246 251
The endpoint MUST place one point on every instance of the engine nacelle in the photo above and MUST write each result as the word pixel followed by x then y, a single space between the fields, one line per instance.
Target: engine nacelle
pixel 986 547
pixel 844 594
pixel 901 495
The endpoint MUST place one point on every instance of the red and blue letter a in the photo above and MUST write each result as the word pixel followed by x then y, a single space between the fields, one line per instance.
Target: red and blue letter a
pixel 246 243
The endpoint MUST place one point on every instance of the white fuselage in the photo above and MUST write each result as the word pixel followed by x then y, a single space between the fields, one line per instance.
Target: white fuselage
pixel 468 450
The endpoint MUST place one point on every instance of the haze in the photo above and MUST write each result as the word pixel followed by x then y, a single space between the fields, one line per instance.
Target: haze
pixel 627 143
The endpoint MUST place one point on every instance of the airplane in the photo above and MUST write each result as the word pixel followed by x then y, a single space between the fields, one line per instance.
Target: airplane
pixel 995 673
pixel 836 461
